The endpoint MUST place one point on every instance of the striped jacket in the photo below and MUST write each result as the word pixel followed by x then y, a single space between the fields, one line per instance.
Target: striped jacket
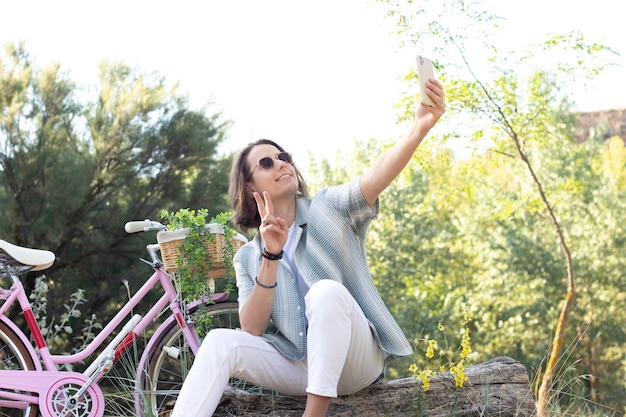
pixel 329 244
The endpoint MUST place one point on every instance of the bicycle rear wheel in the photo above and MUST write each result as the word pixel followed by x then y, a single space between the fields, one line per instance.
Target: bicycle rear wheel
pixel 171 360
pixel 15 356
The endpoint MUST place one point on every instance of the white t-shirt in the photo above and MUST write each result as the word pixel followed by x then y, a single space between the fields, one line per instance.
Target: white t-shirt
pixel 289 251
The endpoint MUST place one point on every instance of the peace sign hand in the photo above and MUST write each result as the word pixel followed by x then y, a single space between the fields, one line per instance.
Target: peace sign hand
pixel 273 230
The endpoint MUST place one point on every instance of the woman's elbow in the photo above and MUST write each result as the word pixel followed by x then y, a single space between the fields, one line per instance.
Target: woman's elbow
pixel 251 324
pixel 253 329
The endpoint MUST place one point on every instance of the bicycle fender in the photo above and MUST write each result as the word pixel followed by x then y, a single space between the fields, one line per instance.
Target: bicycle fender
pixel 25 341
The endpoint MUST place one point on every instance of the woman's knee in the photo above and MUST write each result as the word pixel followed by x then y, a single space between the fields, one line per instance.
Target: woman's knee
pixel 219 342
pixel 326 289
pixel 328 295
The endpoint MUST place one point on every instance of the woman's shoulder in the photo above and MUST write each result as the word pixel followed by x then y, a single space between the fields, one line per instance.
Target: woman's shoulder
pixel 346 188
pixel 349 192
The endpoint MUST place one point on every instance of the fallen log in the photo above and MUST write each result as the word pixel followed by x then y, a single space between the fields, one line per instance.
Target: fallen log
pixel 499 387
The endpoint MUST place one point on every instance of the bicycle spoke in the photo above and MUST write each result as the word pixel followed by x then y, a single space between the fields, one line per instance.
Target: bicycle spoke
pixel 164 378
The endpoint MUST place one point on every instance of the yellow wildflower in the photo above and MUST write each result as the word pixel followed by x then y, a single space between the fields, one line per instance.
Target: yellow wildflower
pixel 425 377
pixel 458 371
pixel 466 347
pixel 430 351
pixel 467 317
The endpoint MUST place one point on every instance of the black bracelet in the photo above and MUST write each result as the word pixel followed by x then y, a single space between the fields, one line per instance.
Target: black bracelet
pixel 272 256
pixel 269 287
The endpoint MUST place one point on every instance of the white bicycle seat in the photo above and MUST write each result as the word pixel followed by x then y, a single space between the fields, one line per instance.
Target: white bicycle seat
pixel 37 258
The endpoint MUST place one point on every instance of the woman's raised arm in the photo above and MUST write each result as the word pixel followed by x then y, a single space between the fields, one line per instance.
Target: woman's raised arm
pixel 389 165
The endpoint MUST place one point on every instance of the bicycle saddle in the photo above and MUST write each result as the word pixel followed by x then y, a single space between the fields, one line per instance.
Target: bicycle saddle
pixel 37 258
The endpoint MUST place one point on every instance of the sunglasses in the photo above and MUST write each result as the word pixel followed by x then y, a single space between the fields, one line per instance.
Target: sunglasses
pixel 268 163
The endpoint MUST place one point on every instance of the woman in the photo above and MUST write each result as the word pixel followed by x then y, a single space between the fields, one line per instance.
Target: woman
pixel 306 270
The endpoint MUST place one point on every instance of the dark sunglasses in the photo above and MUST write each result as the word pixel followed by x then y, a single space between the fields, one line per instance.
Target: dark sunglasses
pixel 268 163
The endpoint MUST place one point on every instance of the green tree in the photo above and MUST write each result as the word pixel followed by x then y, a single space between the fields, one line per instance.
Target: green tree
pixel 75 168
pixel 518 112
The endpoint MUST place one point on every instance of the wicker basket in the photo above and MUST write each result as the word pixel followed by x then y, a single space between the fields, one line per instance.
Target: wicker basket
pixel 170 242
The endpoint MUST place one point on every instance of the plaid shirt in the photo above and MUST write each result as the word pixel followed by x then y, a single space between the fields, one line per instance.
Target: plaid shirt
pixel 329 244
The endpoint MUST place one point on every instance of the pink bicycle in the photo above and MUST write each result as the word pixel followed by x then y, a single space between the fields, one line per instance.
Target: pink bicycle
pixel 30 378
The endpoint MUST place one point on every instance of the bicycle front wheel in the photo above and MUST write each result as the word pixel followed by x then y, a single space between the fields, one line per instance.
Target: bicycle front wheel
pixel 171 359
pixel 15 356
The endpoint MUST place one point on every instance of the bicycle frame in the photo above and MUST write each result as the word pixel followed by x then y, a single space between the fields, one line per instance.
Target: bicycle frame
pixel 43 380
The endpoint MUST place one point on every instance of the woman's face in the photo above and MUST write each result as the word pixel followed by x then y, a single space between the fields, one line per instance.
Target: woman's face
pixel 275 175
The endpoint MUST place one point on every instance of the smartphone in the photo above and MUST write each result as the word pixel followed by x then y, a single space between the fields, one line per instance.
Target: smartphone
pixel 425 71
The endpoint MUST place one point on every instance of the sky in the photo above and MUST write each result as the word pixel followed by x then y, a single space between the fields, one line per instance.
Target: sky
pixel 312 75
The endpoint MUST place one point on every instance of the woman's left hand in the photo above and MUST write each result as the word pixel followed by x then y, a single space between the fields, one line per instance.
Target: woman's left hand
pixel 425 115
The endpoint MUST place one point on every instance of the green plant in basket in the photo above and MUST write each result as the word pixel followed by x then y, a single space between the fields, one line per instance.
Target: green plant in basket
pixel 196 264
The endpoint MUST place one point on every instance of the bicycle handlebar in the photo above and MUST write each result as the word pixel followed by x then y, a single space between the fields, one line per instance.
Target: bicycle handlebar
pixel 147 226
pixel 143 226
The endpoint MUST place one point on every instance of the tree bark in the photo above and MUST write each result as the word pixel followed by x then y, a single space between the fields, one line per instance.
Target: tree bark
pixel 498 387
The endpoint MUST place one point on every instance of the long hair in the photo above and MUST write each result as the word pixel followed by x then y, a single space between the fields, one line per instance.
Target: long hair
pixel 245 212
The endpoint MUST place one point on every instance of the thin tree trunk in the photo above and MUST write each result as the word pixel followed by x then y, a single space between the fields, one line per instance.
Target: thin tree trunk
pixel 544 396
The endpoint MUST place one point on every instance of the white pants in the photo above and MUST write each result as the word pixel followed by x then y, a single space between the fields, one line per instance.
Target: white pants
pixel 343 356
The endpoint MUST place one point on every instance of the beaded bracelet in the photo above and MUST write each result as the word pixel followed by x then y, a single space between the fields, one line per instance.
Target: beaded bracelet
pixel 269 287
pixel 272 256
